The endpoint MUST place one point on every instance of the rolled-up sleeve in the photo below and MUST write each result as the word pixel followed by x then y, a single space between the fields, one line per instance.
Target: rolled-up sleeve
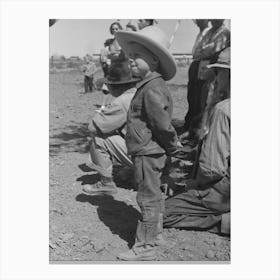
pixel 158 111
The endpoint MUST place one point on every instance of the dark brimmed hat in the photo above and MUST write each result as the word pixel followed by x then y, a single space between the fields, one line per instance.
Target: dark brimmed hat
pixel 120 73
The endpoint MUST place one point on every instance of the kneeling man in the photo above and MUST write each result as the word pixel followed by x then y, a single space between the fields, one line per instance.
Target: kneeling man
pixel 108 129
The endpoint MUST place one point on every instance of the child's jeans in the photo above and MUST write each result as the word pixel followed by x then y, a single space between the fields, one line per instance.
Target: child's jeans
pixel 148 170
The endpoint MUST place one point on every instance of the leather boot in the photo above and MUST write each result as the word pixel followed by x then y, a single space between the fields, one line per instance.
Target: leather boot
pixel 105 186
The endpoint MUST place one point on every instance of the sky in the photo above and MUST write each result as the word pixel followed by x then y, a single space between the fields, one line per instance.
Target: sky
pixel 77 37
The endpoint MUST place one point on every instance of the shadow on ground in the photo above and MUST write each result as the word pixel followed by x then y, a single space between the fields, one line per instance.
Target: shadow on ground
pixel 123 177
pixel 88 179
pixel 119 217
pixel 73 138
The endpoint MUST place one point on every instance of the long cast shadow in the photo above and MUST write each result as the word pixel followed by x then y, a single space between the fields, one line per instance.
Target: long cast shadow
pixel 121 218
pixel 88 179
pixel 124 181
pixel 73 138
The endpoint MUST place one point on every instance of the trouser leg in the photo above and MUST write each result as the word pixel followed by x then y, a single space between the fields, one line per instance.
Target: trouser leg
pixel 104 150
pixel 100 157
pixel 194 94
pixel 86 83
pixel 198 209
pixel 90 83
pixel 148 170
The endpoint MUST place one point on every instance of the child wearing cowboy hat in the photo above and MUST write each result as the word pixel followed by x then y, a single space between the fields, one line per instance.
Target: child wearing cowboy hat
pixel 150 135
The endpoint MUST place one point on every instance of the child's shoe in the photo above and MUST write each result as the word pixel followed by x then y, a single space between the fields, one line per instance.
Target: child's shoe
pixel 139 253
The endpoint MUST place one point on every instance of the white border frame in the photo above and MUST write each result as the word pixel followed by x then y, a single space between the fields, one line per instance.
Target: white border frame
pixel 24 138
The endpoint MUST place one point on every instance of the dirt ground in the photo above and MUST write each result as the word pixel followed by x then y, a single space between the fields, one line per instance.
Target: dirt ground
pixel 98 228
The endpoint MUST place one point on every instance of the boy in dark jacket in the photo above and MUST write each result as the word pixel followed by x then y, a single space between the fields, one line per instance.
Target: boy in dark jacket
pixel 150 136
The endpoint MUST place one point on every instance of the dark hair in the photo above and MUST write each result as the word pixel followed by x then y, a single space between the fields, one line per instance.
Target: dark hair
pixel 115 23
pixel 150 21
pixel 108 42
pixel 131 26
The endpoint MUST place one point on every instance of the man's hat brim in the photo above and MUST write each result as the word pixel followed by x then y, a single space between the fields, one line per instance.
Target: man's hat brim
pixel 167 62
pixel 132 80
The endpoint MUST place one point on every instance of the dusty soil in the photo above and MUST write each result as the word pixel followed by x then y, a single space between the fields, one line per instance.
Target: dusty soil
pixel 97 228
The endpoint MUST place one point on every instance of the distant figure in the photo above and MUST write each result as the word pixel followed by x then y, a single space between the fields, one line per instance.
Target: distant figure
pixel 110 54
pixel 104 60
pixel 142 23
pixel 112 50
pixel 115 52
pixel 89 69
pixel 195 84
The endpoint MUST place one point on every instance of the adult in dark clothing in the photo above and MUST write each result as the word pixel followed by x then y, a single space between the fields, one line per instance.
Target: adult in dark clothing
pixel 195 84
pixel 216 39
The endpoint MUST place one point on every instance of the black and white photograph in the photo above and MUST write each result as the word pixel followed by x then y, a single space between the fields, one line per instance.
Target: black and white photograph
pixel 139 140
pixel 139 148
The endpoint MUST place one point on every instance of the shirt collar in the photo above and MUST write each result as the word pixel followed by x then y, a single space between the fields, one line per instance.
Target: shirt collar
pixel 152 76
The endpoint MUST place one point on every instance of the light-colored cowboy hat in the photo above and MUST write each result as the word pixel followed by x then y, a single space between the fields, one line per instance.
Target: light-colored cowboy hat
pixel 223 60
pixel 153 39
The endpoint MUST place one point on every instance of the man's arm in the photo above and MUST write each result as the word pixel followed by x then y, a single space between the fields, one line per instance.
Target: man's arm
pixel 215 151
pixel 109 120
